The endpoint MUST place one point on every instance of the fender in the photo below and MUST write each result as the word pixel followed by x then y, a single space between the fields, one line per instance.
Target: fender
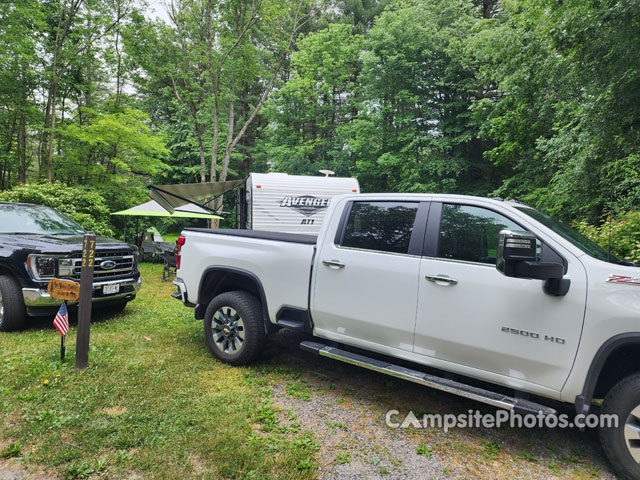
pixel 22 277
pixel 200 308
pixel 583 401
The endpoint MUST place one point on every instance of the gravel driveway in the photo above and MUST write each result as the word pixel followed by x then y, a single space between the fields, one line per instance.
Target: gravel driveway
pixel 345 407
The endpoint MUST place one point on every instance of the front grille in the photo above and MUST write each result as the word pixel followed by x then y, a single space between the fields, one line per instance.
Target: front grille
pixel 125 265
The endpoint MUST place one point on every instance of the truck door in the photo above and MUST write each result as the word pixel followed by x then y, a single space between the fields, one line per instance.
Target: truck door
pixel 471 315
pixel 365 289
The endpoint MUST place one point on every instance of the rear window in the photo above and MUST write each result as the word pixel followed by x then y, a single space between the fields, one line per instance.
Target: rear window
pixel 380 226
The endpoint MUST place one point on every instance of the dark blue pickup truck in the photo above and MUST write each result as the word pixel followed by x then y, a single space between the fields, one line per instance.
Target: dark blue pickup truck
pixel 38 243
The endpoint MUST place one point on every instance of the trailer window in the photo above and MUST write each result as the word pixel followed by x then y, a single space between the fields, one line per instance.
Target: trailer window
pixel 380 226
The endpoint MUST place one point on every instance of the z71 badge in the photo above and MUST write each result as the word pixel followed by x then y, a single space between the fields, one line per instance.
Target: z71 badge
pixel 623 279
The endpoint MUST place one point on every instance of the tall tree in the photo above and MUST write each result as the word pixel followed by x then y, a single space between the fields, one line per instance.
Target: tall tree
pixel 565 117
pixel 213 51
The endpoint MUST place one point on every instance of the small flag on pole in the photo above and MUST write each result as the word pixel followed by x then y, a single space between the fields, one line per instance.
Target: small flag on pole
pixel 61 322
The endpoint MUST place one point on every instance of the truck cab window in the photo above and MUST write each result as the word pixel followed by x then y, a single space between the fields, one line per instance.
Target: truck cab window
pixel 471 233
pixel 380 226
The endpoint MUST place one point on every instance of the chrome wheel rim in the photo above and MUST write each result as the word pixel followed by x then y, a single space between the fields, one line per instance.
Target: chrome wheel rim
pixel 227 329
pixel 632 433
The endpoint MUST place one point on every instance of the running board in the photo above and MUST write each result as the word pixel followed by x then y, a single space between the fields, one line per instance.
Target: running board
pixel 495 399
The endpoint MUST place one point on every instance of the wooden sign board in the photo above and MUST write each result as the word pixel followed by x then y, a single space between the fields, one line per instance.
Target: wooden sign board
pixel 64 289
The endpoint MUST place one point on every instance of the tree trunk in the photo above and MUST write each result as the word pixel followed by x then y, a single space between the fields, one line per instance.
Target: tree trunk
pixel 230 144
pixel 215 139
pixel 22 149
pixel 198 134
pixel 52 126
pixel 119 64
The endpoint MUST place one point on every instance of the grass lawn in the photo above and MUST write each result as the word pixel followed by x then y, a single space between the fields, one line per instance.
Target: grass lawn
pixel 153 403
pixel 170 237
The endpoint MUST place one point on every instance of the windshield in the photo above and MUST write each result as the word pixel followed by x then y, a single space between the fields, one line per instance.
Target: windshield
pixel 16 218
pixel 583 243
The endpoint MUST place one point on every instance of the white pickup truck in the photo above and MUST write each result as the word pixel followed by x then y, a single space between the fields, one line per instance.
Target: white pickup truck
pixel 470 289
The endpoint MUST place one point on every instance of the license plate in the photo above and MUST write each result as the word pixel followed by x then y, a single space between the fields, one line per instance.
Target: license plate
pixel 110 289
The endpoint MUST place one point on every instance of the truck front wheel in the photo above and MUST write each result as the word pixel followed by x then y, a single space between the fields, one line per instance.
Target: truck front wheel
pixel 234 327
pixel 12 310
pixel 622 443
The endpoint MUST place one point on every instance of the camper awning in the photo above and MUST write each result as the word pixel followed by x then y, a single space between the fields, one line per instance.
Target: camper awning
pixel 172 197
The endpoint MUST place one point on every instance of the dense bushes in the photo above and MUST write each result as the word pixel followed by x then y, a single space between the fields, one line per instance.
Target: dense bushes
pixel 625 234
pixel 84 205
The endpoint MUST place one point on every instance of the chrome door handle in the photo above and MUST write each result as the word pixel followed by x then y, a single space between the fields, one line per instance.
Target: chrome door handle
pixel 441 278
pixel 333 263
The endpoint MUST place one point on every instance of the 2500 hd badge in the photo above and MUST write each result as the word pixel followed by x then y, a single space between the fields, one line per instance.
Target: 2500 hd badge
pixel 535 335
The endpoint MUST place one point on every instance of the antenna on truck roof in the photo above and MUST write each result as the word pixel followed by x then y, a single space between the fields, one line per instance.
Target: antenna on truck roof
pixel 610 215
pixel 327 172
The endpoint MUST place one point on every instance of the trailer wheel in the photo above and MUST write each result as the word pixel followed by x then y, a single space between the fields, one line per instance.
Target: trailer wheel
pixel 234 327
pixel 621 444
pixel 12 309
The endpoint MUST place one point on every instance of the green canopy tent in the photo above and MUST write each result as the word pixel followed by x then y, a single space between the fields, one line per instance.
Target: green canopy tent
pixel 153 209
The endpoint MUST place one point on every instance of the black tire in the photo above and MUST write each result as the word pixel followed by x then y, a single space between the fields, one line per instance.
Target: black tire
pixel 12 310
pixel 112 307
pixel 622 400
pixel 241 314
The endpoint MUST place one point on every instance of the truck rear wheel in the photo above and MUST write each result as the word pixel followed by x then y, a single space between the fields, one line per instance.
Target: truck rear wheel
pixel 234 327
pixel 12 310
pixel 621 444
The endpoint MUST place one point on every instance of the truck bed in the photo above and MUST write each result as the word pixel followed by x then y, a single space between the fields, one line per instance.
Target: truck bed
pixel 263 235
pixel 281 262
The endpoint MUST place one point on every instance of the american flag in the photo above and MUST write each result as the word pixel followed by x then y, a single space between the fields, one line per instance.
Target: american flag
pixel 61 322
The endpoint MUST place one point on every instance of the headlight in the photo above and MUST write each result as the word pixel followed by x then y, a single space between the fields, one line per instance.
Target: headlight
pixel 66 267
pixel 42 267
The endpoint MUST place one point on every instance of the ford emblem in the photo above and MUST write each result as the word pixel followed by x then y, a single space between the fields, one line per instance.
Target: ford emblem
pixel 108 265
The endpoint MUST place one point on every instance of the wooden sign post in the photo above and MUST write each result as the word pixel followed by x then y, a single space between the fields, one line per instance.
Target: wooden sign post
pixel 64 289
pixel 86 297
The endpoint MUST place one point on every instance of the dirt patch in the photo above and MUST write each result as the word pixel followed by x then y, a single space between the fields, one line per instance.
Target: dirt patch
pixel 13 470
pixel 113 411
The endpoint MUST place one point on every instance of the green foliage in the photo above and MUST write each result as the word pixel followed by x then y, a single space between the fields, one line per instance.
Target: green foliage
pixel 111 147
pixel 83 204
pixel 390 106
pixel 13 450
pixel 625 234
pixel 423 450
pixel 309 109
pixel 530 99
pixel 565 111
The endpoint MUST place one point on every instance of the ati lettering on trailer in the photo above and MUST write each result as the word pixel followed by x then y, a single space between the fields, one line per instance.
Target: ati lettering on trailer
pixel 307 205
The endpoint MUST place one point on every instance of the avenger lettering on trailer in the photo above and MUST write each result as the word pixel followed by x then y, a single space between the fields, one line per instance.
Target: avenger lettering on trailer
pixel 305 204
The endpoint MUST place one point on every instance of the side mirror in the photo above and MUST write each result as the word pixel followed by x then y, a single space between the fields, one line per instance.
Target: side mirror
pixel 514 246
pixel 517 257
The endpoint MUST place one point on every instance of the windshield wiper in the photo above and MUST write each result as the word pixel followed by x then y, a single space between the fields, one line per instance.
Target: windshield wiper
pixel 626 263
